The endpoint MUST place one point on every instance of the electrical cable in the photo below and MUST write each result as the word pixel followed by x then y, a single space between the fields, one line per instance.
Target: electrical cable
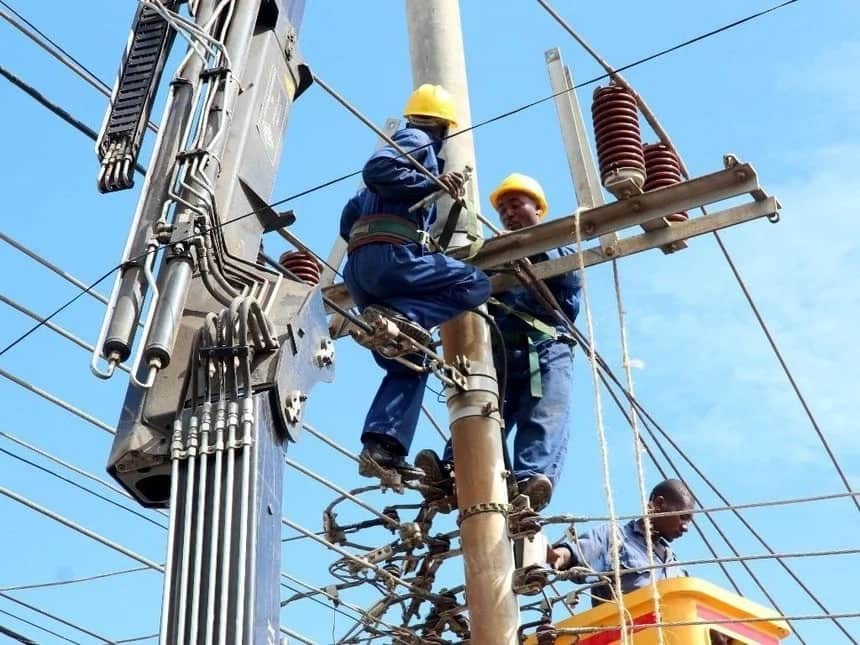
pixel 350 175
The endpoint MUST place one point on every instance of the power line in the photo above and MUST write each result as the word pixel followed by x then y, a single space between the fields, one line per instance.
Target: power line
pixel 650 424
pixel 66 116
pixel 779 357
pixel 341 491
pixel 712 509
pixel 68 407
pixel 332 606
pixel 138 639
pixel 83 488
pixel 344 177
pixel 54 617
pixel 80 529
pixel 69 466
pixel 649 116
pixel 60 583
pixel 53 267
pixel 16 636
pixel 54 49
pixel 37 626
pixel 52 326
pixel 334 599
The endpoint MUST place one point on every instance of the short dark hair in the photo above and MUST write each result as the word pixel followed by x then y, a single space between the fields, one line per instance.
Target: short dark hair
pixel 672 490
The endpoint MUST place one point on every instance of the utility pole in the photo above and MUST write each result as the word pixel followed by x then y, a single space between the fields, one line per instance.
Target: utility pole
pixel 436 46
pixel 229 349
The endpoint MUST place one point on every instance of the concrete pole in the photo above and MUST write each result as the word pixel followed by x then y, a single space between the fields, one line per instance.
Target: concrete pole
pixel 436 46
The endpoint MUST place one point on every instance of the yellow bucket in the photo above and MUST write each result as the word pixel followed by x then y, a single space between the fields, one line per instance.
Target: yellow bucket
pixel 702 614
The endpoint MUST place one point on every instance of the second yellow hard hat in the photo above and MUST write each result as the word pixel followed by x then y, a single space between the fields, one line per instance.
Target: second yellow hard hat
pixel 523 184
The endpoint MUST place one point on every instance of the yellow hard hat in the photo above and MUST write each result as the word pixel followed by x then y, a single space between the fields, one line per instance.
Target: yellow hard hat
pixel 434 101
pixel 516 182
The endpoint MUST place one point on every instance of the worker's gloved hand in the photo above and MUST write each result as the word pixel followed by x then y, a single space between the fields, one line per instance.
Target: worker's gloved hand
pixel 453 182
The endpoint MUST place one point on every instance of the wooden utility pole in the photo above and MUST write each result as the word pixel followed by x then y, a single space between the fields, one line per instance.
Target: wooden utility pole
pixel 436 46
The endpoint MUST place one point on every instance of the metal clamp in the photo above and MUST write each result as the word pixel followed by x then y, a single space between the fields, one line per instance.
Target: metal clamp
pixel 483 507
pixel 530 580
pixel 487 410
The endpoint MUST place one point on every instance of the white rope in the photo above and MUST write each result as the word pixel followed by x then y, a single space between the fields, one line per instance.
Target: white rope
pixel 637 450
pixel 601 433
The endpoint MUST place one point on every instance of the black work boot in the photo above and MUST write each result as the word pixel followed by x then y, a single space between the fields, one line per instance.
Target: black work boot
pixel 538 488
pixel 386 455
pixel 437 473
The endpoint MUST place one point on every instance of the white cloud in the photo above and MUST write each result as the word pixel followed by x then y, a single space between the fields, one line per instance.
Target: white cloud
pixel 730 395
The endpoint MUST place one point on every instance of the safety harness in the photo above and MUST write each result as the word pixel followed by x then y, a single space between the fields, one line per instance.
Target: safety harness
pixel 391 229
pixel 539 331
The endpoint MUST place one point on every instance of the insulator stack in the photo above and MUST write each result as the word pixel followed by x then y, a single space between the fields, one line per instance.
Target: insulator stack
pixel 662 168
pixel 303 266
pixel 619 142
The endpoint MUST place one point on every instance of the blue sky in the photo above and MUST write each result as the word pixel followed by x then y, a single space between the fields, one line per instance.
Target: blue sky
pixel 777 92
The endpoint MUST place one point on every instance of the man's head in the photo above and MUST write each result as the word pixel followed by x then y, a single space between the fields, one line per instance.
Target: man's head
pixel 431 108
pixel 671 496
pixel 519 201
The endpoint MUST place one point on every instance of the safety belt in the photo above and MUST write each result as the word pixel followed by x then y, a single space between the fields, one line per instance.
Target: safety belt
pixel 541 331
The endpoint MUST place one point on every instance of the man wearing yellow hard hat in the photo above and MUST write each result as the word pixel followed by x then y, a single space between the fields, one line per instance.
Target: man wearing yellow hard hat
pixel 536 357
pixel 389 268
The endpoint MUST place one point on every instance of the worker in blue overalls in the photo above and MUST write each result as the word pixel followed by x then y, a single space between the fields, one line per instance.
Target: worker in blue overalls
pixel 536 360
pixel 390 269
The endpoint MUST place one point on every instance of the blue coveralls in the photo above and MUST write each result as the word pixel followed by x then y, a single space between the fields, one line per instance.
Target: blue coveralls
pixel 428 288
pixel 594 549
pixel 537 398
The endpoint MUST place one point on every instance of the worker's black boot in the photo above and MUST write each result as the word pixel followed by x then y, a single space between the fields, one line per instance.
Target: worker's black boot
pixel 385 454
pixel 438 481
pixel 437 473
pixel 538 488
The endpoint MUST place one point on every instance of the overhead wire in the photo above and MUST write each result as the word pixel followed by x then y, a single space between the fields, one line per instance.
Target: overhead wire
pixel 66 116
pixel 53 267
pixel 355 173
pixel 54 617
pixel 664 137
pixel 80 529
pixel 39 627
pixel 68 407
pixel 15 636
pixel 785 3
pixel 307 472
pixel 712 509
pixel 336 602
pixel 72 581
pixel 52 326
pixel 650 424
pixel 789 555
pixel 138 639
pixel 71 467
pixel 22 24
pixel 89 491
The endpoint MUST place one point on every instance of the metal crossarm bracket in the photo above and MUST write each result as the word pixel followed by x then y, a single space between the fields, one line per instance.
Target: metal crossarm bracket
pixel 735 180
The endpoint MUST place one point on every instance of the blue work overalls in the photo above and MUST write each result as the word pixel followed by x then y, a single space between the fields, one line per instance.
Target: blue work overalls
pixel 539 375
pixel 428 288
